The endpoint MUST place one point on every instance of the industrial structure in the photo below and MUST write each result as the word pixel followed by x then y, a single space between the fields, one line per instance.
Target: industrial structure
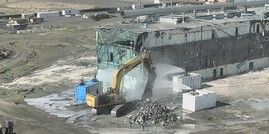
pixel 213 45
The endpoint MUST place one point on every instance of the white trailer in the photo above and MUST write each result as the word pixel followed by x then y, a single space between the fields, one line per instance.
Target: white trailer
pixel 27 15
pixel 137 6
pixel 48 14
pixel 71 12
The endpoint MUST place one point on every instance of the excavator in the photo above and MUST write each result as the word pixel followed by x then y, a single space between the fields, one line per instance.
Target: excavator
pixel 114 100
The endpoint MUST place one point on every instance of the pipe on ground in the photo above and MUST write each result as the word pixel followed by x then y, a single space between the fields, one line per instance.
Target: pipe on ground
pixel 168 10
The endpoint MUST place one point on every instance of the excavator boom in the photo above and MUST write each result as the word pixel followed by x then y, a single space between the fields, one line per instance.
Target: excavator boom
pixel 127 67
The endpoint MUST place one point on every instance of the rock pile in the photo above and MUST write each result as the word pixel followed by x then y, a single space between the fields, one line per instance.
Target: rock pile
pixel 151 113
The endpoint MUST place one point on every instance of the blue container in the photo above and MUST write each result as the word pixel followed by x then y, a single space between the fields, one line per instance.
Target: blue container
pixel 80 91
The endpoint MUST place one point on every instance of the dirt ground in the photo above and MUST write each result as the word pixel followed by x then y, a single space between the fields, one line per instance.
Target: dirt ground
pixel 24 6
pixel 50 58
pixel 63 46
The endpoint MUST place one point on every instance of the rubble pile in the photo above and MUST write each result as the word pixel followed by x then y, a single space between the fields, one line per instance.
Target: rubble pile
pixel 151 113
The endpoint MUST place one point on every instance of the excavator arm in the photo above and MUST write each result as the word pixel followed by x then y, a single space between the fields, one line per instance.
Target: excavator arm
pixel 115 97
pixel 127 67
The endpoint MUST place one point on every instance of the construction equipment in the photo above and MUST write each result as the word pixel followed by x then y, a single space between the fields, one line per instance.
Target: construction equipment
pixel 114 97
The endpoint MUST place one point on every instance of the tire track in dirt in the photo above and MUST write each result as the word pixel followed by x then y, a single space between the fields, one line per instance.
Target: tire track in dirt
pixel 20 57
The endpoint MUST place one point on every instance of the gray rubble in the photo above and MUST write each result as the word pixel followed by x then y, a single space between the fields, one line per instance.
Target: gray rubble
pixel 151 113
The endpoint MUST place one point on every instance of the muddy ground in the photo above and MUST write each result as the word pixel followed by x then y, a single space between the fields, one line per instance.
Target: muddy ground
pixel 50 58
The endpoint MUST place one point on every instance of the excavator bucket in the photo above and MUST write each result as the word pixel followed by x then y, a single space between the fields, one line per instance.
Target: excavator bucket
pixel 149 87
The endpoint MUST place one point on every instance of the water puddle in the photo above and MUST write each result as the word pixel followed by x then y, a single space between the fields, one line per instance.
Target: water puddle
pixel 57 104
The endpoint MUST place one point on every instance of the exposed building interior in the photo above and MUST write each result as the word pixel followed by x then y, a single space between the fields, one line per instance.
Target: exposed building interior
pixel 213 45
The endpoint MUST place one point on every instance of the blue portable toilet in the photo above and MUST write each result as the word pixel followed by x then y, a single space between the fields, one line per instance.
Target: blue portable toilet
pixel 80 91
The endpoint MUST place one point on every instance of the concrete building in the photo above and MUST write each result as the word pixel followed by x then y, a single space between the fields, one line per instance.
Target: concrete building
pixel 36 20
pixel 18 21
pixel 17 26
pixel 212 48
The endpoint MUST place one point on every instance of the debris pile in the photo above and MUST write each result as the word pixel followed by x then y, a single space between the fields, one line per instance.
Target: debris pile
pixel 151 113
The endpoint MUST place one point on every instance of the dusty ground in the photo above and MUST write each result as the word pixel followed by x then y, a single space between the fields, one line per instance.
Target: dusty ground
pixel 62 54
pixel 23 6
pixel 242 107
pixel 50 61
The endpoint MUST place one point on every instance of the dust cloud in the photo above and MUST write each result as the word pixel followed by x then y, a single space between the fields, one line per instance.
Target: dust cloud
pixel 138 85
pixel 162 72
pixel 136 80
pixel 106 76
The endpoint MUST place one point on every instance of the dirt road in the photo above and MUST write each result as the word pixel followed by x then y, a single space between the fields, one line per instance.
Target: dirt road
pixel 24 6
pixel 63 46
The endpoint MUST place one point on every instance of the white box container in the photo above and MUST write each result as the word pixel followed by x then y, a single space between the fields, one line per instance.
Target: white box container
pixel 48 14
pixel 166 19
pixel 137 6
pixel 192 80
pixel 72 12
pixel 157 1
pixel 27 15
pixel 202 100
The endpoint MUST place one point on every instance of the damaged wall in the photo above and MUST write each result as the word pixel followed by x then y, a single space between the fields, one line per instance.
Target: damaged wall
pixel 212 53
pixel 185 35
pixel 194 49
pixel 236 68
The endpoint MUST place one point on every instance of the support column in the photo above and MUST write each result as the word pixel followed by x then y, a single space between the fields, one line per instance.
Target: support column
pixel 194 13
pixel 183 19
pixel 245 9
pixel 223 10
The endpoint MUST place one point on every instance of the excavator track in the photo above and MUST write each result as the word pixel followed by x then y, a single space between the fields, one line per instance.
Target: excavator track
pixel 123 109
pixel 101 110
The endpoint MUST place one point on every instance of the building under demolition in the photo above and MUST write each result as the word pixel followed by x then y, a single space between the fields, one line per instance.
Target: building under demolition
pixel 213 48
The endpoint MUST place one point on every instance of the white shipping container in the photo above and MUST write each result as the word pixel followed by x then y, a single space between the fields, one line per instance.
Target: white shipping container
pixel 158 1
pixel 70 12
pixel 137 6
pixel 173 20
pixel 27 15
pixel 192 80
pixel 202 100
pixel 48 14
